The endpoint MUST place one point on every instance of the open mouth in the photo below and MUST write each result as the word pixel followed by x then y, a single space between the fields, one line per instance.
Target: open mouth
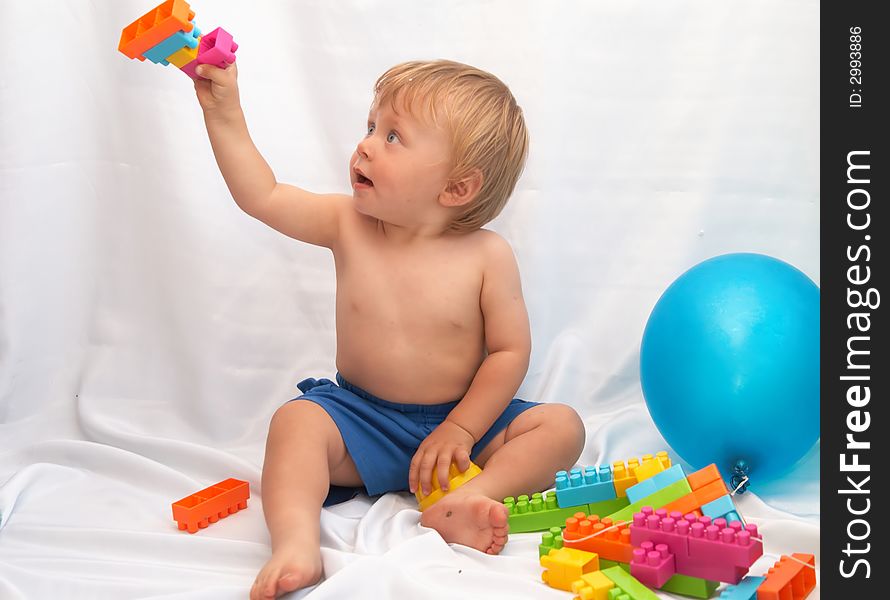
pixel 364 180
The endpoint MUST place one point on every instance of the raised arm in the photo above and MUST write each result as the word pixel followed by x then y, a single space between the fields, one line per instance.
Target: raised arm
pixel 311 218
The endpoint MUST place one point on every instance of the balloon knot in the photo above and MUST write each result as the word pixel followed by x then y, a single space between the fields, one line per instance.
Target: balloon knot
pixel 739 480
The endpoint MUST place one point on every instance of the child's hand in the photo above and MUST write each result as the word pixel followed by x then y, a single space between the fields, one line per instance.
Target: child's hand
pixel 218 93
pixel 448 442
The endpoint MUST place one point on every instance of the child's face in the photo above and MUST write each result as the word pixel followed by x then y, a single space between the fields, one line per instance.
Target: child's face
pixel 400 167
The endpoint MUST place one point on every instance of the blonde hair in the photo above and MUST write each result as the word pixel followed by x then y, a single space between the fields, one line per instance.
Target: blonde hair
pixel 485 123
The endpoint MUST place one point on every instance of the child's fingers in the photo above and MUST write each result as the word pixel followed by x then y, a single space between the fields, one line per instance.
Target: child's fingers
pixel 442 465
pixel 217 75
pixel 414 473
pixel 462 458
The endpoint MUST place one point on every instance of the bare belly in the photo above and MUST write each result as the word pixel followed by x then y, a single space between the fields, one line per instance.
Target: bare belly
pixel 409 367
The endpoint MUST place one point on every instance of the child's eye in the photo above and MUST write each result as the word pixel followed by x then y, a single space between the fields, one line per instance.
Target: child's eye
pixel 371 129
pixel 393 137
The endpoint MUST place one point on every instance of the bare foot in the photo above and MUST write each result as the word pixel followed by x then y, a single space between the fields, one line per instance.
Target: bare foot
pixel 470 519
pixel 287 570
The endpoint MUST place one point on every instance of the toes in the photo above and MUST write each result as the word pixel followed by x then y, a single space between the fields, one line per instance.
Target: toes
pixel 498 515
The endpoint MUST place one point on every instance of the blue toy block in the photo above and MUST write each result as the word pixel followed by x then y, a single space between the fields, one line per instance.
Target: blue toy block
pixel 158 54
pixel 657 482
pixel 745 590
pixel 733 516
pixel 584 487
pixel 720 507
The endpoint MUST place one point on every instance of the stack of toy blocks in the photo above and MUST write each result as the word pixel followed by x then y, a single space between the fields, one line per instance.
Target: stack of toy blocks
pixel 168 34
pixel 686 553
pixel 211 504
pixel 592 490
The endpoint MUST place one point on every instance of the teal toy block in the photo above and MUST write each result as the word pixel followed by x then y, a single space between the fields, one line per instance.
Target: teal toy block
pixel 538 513
pixel 628 584
pixel 721 507
pixel 674 491
pixel 659 481
pixel 550 540
pixel 745 590
pixel 181 39
pixel 585 486
pixel 733 516
pixel 607 507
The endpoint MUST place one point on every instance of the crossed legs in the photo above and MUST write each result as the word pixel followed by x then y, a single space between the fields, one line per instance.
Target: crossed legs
pixel 305 454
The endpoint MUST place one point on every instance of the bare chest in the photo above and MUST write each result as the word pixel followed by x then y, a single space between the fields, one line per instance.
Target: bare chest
pixel 430 292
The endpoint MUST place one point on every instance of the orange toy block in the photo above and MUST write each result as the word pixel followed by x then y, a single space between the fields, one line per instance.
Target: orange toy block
pixel 211 504
pixel 707 486
pixel 702 477
pixel 789 579
pixel 595 535
pixel 155 26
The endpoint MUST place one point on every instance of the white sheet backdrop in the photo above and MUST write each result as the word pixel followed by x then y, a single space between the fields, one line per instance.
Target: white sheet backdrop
pixel 149 328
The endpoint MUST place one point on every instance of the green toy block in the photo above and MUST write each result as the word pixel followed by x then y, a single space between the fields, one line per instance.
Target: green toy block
pixel 663 496
pixel 607 507
pixel 690 586
pixel 540 513
pixel 629 584
pixel 678 584
pixel 551 540
pixel 605 563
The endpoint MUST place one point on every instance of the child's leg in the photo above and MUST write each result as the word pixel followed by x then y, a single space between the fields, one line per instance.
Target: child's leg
pixel 522 459
pixel 304 455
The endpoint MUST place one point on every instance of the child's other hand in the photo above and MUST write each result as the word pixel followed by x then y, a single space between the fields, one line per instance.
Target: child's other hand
pixel 218 92
pixel 447 443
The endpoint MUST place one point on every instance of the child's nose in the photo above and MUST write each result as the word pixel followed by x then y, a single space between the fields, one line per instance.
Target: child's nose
pixel 364 148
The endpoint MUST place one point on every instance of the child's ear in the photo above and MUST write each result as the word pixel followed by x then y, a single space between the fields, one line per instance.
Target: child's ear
pixel 463 190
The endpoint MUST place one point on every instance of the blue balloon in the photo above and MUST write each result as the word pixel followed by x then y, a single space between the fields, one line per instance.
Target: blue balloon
pixel 729 364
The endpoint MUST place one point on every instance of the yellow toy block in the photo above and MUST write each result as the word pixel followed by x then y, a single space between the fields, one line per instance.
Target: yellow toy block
pixel 592 586
pixel 652 466
pixel 563 566
pixel 184 56
pixel 455 480
pixel 623 476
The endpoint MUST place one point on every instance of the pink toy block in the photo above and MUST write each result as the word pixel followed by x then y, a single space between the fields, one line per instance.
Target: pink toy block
pixel 216 48
pixel 715 550
pixel 652 564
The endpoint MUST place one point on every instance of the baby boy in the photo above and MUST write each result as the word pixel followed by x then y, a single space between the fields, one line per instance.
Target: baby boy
pixel 433 338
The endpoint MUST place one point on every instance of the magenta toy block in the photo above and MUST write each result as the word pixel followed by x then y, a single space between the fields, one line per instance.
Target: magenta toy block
pixel 718 551
pixel 652 565
pixel 584 487
pixel 217 48
pixel 659 481
pixel 745 590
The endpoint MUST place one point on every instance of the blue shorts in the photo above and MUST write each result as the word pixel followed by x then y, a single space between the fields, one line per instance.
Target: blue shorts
pixel 381 436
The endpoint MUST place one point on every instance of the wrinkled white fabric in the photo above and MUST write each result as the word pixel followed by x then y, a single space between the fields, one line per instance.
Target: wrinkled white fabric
pixel 149 329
